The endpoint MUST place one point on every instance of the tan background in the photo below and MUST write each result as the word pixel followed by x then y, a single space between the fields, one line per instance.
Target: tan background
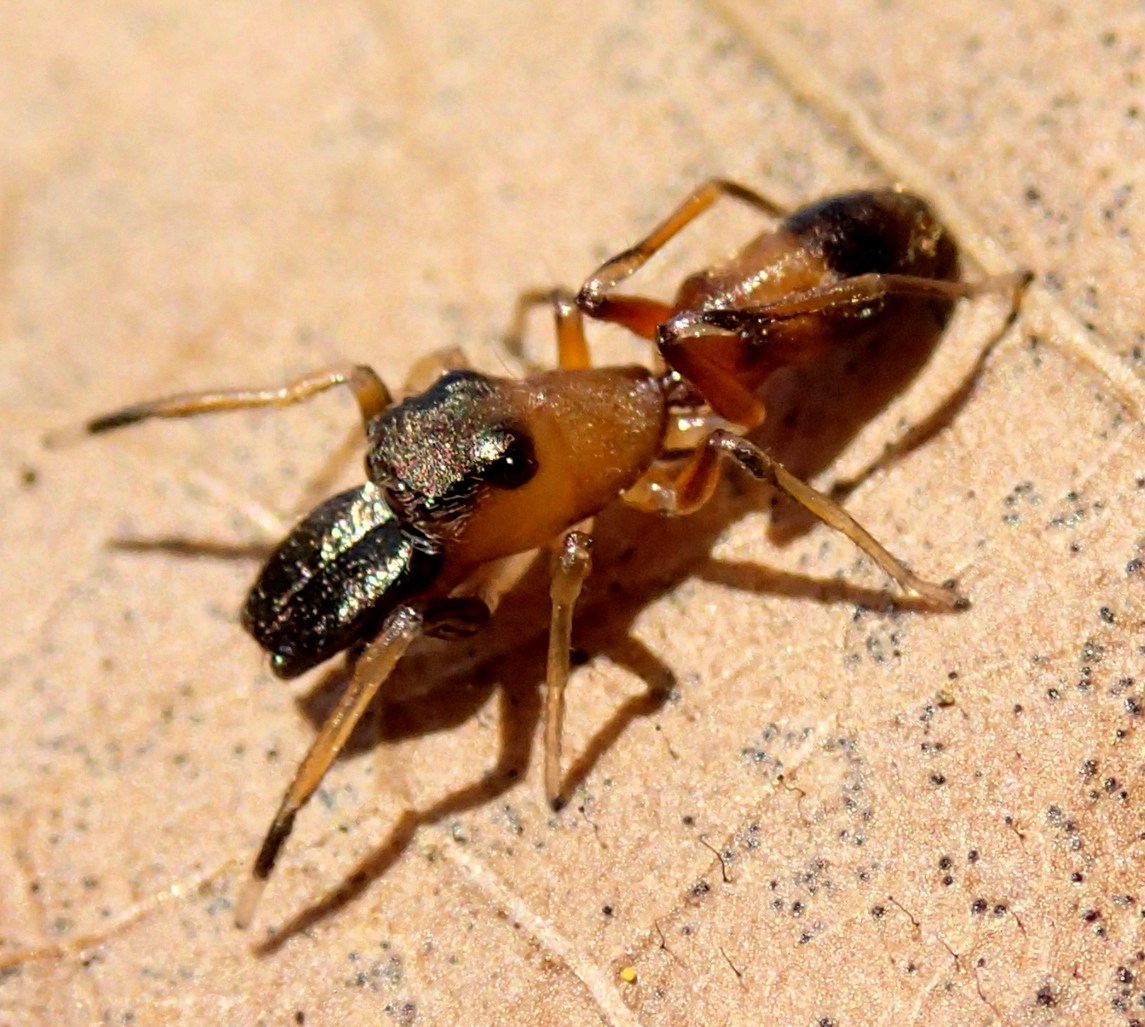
pixel 923 819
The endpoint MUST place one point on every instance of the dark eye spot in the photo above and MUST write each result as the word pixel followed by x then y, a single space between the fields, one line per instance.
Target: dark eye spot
pixel 515 461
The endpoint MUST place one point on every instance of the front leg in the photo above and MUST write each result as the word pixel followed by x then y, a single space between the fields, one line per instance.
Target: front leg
pixel 369 390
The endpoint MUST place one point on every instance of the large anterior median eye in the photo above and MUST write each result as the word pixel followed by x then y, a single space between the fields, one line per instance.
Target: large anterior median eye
pixel 506 458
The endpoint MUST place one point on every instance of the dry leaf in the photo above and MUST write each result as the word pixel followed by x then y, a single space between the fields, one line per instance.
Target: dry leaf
pixel 792 803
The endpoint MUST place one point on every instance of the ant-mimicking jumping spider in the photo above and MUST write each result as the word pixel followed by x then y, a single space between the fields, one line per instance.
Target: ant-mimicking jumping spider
pixel 478 469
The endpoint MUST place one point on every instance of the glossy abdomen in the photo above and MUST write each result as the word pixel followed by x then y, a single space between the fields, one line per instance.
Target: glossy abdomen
pixel 332 580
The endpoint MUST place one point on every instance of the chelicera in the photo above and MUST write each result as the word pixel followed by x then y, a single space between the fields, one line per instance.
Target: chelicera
pixel 475 470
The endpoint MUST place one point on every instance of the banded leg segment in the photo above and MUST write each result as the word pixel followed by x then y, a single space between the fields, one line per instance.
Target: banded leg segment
pixel 369 390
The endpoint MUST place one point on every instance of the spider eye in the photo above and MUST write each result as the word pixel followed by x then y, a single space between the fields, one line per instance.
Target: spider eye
pixel 508 459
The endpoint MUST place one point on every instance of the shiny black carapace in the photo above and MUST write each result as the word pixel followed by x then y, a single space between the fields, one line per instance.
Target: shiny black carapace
pixel 476 470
